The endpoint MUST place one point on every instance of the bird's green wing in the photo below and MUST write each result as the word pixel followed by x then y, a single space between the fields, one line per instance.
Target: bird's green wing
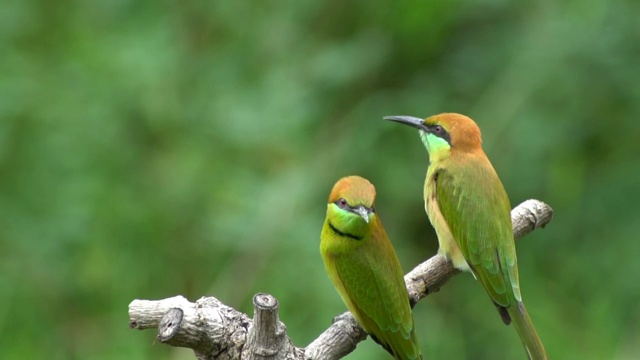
pixel 374 284
pixel 476 208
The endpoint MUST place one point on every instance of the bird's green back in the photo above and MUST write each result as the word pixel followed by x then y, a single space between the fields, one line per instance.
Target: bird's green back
pixel 476 207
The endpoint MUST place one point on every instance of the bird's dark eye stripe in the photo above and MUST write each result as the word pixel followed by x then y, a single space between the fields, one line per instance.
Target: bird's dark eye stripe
pixel 440 132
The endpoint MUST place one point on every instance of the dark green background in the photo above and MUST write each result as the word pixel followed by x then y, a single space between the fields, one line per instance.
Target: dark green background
pixel 155 148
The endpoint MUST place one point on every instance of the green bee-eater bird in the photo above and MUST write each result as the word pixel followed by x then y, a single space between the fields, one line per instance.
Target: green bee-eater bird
pixel 364 267
pixel 470 211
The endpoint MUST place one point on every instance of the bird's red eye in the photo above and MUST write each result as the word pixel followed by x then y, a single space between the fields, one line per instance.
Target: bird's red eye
pixel 342 203
pixel 438 129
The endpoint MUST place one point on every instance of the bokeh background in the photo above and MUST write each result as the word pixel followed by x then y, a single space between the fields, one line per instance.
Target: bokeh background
pixel 156 148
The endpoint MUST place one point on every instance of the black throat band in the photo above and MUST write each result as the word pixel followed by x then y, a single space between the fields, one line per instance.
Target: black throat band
pixel 343 233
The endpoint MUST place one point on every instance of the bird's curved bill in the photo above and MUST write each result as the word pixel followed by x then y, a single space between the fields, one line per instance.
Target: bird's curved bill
pixel 407 120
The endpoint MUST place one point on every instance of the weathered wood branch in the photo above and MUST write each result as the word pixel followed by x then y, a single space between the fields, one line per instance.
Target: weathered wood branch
pixel 216 331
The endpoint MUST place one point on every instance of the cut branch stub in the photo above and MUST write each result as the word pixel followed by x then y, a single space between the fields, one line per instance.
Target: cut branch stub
pixel 170 324
pixel 267 336
pixel 530 215
pixel 212 329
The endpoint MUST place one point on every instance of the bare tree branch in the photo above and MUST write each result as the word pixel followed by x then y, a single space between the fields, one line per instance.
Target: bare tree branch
pixel 216 331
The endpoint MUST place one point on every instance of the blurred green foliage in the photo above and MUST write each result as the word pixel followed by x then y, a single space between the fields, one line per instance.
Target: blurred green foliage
pixel 155 148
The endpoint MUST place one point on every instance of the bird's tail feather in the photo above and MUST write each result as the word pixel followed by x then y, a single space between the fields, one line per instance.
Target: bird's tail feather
pixel 530 339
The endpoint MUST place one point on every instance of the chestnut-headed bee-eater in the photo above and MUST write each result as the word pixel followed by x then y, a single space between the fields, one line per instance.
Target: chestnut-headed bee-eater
pixel 364 267
pixel 470 211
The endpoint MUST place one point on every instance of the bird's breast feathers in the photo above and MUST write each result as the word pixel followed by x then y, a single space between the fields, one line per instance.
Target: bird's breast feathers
pixel 448 246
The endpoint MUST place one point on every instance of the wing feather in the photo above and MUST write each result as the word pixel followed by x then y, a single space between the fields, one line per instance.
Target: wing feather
pixel 374 286
pixel 476 208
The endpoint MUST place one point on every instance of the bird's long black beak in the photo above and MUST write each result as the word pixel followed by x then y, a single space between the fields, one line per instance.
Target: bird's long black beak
pixel 407 120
